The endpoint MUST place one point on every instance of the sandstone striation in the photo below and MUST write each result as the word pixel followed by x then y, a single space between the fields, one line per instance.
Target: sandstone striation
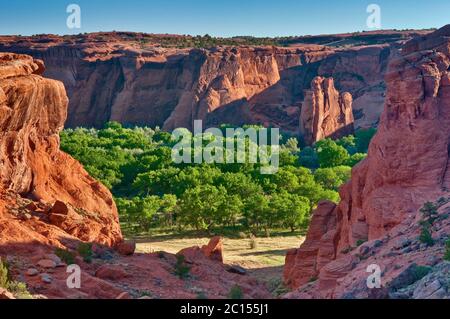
pixel 407 165
pixel 325 112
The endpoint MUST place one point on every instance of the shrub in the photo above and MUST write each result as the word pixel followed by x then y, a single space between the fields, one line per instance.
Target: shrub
pixel 4 274
pixel 202 296
pixel 85 251
pixel 18 289
pixel 161 255
pixel 253 243
pixel 429 212
pixel 447 250
pixel 360 242
pixel 236 293
pixel 277 287
pixel 420 272
pixel 425 236
pixel 313 279
pixel 181 269
pixel 65 255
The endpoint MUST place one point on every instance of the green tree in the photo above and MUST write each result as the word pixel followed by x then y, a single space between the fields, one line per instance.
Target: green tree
pixel 291 210
pixel 349 143
pixel 363 138
pixel 200 206
pixel 331 154
pixel 256 209
pixel 355 159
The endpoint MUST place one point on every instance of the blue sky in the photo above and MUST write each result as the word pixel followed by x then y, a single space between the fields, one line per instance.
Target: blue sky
pixel 219 18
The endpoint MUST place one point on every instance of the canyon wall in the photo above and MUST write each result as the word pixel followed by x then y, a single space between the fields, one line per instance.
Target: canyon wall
pixel 325 113
pixel 33 110
pixel 377 220
pixel 147 85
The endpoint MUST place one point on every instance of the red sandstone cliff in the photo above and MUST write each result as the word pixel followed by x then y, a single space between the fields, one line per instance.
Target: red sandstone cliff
pixel 407 165
pixel 148 85
pixel 325 112
pixel 32 112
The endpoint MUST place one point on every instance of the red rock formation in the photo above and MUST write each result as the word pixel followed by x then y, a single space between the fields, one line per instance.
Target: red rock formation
pixel 325 112
pixel 214 249
pixel 116 78
pixel 32 112
pixel 48 201
pixel 407 165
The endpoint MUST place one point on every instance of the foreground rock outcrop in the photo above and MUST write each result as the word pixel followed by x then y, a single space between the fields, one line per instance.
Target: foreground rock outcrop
pixel 32 112
pixel 407 165
pixel 109 77
pixel 325 112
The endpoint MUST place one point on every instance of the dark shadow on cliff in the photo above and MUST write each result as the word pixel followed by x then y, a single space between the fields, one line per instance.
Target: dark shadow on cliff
pixel 271 105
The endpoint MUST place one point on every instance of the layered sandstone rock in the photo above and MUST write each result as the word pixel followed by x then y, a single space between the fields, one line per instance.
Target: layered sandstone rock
pixel 133 83
pixel 407 165
pixel 325 112
pixel 32 112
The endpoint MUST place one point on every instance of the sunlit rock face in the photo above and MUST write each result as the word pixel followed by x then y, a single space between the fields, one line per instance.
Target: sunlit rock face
pixel 326 113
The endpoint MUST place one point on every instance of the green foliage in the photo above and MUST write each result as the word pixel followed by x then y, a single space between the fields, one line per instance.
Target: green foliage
pixel 429 212
pixel 17 288
pixel 363 138
pixel 65 255
pixel 309 158
pixel 277 287
pixel 447 250
pixel 426 237
pixel 236 293
pixel 202 296
pixel 152 191
pixel 420 272
pixel 355 159
pixel 331 154
pixel 349 143
pixel 360 242
pixel 181 269
pixel 429 215
pixel 4 274
pixel 332 178
pixel 85 251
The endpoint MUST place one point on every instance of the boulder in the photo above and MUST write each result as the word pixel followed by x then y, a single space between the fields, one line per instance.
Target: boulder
pixel 5 294
pixel 111 272
pixel 126 248
pixel 214 249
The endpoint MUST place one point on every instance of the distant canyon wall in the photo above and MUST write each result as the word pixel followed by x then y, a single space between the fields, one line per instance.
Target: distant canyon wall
pixel 407 165
pixel 172 87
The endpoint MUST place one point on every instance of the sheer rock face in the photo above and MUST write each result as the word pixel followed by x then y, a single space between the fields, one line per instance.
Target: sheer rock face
pixel 407 165
pixel 153 86
pixel 325 112
pixel 32 113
